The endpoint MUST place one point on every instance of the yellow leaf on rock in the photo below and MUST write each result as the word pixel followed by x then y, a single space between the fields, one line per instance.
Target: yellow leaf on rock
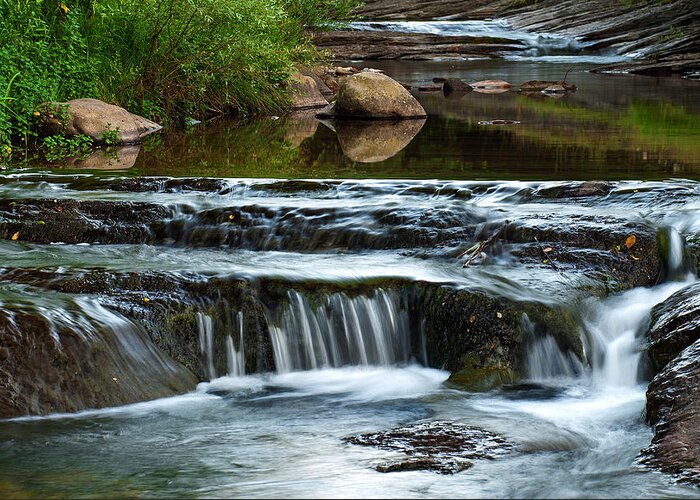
pixel 15 236
pixel 630 241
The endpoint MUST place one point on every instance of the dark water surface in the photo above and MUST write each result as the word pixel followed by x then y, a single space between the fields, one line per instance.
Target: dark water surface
pixel 613 127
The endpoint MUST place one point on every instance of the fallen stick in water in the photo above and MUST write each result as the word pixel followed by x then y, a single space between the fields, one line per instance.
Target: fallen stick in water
pixel 478 249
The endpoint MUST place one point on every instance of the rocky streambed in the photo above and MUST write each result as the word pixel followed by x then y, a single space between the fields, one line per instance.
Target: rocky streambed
pixel 658 38
pixel 124 289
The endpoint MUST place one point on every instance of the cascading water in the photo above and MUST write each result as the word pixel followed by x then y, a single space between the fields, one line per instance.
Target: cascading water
pixel 342 331
pixel 613 326
pixel 235 358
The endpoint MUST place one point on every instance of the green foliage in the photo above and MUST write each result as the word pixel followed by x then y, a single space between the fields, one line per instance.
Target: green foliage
pixel 110 137
pixel 164 59
pixel 58 147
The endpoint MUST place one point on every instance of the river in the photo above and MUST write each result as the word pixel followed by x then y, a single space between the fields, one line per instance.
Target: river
pixel 353 362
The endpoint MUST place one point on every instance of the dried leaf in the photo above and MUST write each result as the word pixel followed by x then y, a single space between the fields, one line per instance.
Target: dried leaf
pixel 15 236
pixel 630 241
pixel 499 315
pixel 547 249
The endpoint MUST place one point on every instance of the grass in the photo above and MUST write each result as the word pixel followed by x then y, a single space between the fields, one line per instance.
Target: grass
pixel 164 59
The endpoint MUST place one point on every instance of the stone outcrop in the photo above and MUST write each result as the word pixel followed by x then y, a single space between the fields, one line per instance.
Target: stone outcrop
pixel 96 119
pixel 378 45
pixel 370 95
pixel 304 93
pixel 667 34
pixel 673 396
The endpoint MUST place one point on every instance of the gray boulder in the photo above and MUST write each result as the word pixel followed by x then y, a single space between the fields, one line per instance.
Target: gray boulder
pixel 96 119
pixel 372 95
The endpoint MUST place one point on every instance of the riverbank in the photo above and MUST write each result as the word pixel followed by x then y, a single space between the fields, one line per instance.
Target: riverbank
pixel 169 62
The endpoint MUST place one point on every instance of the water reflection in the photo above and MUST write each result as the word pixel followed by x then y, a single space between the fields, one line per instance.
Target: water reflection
pixel 375 141
pixel 613 127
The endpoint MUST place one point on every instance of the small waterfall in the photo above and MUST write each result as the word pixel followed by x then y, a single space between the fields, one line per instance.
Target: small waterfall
pixel 235 358
pixel 205 327
pixel 342 331
pixel 614 325
pixel 677 260
pixel 545 360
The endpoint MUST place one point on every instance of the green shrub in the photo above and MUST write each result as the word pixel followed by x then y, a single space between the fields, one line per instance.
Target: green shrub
pixel 164 59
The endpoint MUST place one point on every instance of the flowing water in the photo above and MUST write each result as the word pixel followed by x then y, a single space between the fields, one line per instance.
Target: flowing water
pixel 349 362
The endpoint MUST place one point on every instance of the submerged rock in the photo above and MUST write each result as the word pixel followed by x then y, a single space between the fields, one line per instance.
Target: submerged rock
pixel 438 446
pixel 543 85
pixel 96 119
pixel 375 96
pixel 370 142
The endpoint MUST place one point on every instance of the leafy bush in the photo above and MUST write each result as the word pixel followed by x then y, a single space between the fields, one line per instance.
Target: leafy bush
pixel 164 59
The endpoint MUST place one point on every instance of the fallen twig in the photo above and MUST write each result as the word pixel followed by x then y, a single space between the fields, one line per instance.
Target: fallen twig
pixel 478 249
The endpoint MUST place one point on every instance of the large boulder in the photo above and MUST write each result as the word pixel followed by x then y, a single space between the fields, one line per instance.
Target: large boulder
pixel 673 396
pixel 673 407
pixel 675 324
pixel 373 95
pixel 304 93
pixel 98 120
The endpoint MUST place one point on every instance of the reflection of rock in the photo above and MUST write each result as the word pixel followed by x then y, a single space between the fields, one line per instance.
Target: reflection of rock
pixel 299 126
pixel 113 159
pixel 373 141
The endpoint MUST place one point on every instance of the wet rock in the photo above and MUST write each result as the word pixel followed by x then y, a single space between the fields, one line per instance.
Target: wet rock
pixel 675 325
pixel 97 120
pixel 68 363
pixel 576 190
pixel 595 244
pixel 438 446
pixel 71 221
pixel 474 334
pixel 304 93
pixel 383 45
pixel 543 85
pixel 370 142
pixel 455 85
pixel 376 96
pixel 673 408
pixel 490 84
